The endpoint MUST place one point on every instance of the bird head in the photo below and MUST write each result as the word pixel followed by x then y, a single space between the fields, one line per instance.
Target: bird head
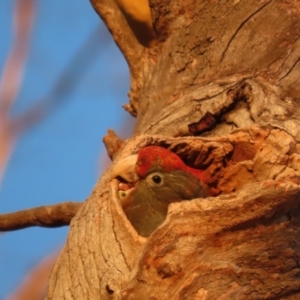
pixel 150 181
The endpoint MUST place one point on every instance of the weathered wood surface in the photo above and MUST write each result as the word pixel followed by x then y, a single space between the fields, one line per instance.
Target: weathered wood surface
pixel 221 88
pixel 245 240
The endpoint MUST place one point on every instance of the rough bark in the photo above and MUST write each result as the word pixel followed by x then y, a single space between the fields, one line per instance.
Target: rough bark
pixel 220 87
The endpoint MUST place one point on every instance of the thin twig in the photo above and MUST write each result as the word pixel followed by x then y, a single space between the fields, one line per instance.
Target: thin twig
pixel 45 216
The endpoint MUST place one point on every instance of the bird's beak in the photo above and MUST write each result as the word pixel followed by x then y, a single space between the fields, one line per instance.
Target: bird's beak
pixel 125 169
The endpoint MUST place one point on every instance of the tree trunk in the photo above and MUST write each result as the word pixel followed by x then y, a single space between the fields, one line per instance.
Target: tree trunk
pixel 219 85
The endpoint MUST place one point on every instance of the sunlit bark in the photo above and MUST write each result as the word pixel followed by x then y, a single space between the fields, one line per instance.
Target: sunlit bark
pixel 220 87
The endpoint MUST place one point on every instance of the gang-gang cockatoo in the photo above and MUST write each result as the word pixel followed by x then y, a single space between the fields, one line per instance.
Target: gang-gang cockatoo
pixel 150 181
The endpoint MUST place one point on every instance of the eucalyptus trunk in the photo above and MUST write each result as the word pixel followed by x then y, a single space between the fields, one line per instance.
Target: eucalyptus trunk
pixel 218 83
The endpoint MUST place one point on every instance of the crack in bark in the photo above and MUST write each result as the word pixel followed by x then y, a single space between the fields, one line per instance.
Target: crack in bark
pixel 101 280
pixel 235 85
pixel 120 245
pixel 239 95
pixel 285 59
pixel 268 217
pixel 80 265
pixel 275 126
pixel 194 99
pixel 240 27
pixel 290 70
pixel 159 120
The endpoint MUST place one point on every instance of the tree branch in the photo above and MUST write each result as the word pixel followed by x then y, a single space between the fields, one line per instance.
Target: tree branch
pixel 45 216
pixel 121 32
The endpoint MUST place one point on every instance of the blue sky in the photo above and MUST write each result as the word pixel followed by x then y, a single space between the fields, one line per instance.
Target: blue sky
pixel 59 159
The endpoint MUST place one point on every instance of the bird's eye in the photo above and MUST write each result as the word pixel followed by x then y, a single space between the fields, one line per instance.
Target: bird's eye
pixel 155 179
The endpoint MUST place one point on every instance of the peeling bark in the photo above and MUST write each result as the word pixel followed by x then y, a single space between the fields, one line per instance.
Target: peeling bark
pixel 220 87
